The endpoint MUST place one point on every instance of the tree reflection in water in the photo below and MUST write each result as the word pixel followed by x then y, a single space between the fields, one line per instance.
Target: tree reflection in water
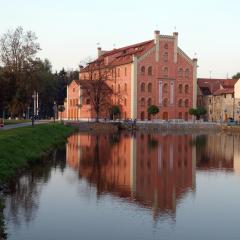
pixel 152 171
pixel 22 202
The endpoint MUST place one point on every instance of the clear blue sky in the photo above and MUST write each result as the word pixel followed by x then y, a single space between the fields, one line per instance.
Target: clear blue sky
pixel 69 30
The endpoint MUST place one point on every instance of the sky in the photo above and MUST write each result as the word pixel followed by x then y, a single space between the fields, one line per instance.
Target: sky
pixel 69 31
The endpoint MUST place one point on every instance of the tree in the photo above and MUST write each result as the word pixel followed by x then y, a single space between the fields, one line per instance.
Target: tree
pixel 114 111
pixel 236 76
pixel 95 87
pixel 197 112
pixel 18 51
pixel 153 110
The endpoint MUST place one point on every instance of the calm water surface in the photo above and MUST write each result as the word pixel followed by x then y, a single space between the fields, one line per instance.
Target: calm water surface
pixel 169 186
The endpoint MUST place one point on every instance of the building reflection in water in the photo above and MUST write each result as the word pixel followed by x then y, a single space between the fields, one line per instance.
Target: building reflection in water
pixel 154 171
pixel 217 152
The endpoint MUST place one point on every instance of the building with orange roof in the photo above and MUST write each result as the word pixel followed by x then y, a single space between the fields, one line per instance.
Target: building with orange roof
pixel 154 72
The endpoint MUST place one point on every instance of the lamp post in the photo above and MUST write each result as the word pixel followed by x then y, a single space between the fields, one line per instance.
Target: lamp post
pixel 54 111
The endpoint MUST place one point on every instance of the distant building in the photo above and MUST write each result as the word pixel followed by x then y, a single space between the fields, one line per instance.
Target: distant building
pixel 152 72
pixel 217 97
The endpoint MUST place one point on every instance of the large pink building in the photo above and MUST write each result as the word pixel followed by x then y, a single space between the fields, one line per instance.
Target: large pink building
pixel 154 72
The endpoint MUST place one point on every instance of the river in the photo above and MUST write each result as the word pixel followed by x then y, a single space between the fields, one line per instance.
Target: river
pixel 124 186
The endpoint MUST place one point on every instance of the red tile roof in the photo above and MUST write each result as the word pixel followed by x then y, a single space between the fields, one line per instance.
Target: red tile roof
pixel 213 86
pixel 224 91
pixel 122 55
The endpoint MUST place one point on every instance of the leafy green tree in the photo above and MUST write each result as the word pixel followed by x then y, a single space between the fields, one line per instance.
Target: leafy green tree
pixel 114 111
pixel 153 110
pixel 236 76
pixel 197 112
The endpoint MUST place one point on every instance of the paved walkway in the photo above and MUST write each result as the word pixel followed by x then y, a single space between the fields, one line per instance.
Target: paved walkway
pixel 18 125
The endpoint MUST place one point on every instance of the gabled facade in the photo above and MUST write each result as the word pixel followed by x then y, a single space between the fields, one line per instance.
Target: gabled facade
pixel 155 72
pixel 217 96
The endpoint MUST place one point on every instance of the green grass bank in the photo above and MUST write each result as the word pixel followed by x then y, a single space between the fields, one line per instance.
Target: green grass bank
pixel 21 146
pixel 13 121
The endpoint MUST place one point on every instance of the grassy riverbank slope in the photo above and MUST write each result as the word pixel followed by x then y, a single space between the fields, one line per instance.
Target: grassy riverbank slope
pixel 20 146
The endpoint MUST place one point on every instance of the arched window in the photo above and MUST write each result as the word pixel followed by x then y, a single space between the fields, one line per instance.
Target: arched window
pixel 186 116
pixel 180 115
pixel 165 57
pixel 142 102
pixel 125 71
pixel 150 70
pixel 180 88
pixel 125 87
pixel 142 87
pixel 166 46
pixel 180 103
pixel 165 88
pixel 125 102
pixel 180 72
pixel 119 88
pixel 150 87
pixel 142 116
pixel 142 70
pixel 165 71
pixel 186 89
pixel 165 102
pixel 149 102
pixel 187 73
pixel 186 103
pixel 94 76
pixel 118 72
pixel 88 101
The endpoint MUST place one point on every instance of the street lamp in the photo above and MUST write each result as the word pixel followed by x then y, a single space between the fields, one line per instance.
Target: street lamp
pixel 54 111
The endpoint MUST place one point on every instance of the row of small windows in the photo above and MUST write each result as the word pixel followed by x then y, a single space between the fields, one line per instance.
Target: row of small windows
pixel 73 102
pixel 180 73
pixel 149 87
pixel 149 70
pixel 149 102
pixel 186 89
pixel 165 115
pixel 181 102
pixel 119 88
pixel 165 71
pixel 119 72
pixel 165 88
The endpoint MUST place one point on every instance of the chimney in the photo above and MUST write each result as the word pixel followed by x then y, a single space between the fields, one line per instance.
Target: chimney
pixel 81 67
pixel 194 82
pixel 156 36
pixel 175 36
pixel 157 41
pixel 99 51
